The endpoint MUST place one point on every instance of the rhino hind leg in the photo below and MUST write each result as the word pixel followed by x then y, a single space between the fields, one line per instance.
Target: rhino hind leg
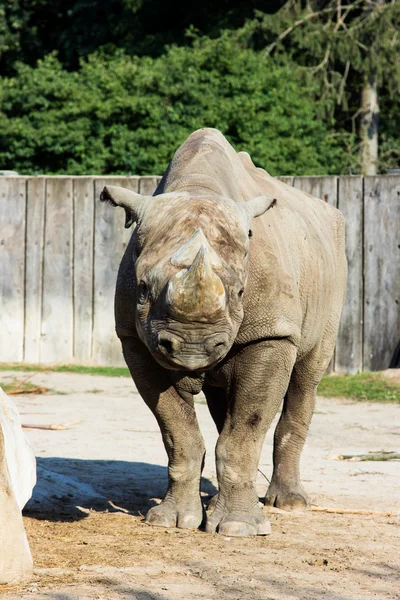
pixel 285 490
pixel 217 405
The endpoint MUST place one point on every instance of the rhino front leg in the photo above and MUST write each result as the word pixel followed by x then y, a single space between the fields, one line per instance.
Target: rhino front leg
pixel 182 506
pixel 260 377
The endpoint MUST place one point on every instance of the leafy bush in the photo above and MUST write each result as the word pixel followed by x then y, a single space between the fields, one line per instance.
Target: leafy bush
pixel 124 114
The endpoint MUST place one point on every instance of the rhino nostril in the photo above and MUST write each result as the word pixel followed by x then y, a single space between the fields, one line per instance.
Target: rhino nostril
pixel 168 344
pixel 216 344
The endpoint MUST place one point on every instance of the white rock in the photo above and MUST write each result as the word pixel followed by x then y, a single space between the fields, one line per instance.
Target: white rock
pixel 17 479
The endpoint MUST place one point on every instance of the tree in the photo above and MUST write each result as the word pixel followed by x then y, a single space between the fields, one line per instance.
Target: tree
pixel 31 29
pixel 125 114
pixel 352 48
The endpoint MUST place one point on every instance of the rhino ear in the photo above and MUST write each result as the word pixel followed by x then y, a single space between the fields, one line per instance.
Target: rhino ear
pixel 132 202
pixel 254 208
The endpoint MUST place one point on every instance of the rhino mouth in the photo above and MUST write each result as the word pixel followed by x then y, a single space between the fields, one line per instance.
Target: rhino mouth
pixel 172 352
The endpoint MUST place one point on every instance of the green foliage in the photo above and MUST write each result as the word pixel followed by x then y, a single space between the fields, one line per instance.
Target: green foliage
pixel 363 386
pixel 371 387
pixel 342 45
pixel 77 28
pixel 128 114
pixel 80 369
pixel 296 111
pixel 325 36
pixel 11 22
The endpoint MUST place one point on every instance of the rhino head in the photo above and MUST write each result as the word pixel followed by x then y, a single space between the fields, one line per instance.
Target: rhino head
pixel 190 255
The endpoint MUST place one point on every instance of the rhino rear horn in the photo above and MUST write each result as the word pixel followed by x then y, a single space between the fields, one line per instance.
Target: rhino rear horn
pixel 132 202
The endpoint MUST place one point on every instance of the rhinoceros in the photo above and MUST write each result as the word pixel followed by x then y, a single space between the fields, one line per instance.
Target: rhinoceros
pixel 232 283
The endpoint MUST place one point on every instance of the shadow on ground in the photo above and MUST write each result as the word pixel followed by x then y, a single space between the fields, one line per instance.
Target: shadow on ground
pixel 66 485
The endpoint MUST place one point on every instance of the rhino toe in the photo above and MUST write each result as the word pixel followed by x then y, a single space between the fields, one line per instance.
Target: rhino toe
pixel 238 524
pixel 167 514
pixel 287 498
pixel 161 516
pixel 244 528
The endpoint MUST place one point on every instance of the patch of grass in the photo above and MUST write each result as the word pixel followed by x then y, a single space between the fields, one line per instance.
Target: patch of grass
pixel 372 387
pixel 380 456
pixel 107 371
pixel 14 386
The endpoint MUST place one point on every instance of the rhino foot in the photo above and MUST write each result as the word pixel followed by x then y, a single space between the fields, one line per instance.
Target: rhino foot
pixel 171 514
pixel 287 497
pixel 238 523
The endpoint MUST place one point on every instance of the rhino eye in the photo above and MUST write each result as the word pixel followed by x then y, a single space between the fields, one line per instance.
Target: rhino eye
pixel 142 293
pixel 241 292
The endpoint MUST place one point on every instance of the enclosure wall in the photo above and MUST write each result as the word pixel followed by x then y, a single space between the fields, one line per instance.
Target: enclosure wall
pixel 61 249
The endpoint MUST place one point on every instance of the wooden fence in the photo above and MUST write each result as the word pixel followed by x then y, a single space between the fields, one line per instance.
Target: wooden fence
pixel 60 251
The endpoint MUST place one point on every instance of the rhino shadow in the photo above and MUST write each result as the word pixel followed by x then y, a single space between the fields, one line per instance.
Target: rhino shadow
pixel 65 486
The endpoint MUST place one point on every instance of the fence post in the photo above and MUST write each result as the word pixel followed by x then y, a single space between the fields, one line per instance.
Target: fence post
pixel 12 267
pixel 381 269
pixel 349 350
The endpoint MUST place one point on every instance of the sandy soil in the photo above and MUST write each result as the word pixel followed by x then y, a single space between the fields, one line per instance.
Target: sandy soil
pixel 97 478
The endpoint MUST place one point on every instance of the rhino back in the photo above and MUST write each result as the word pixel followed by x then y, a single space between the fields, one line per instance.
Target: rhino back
pixel 207 161
pixel 298 268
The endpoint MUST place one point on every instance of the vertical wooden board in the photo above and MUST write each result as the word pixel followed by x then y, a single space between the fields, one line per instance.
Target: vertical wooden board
pixel 324 188
pixel 83 193
pixel 148 185
pixel 381 270
pixel 349 351
pixel 12 267
pixel 56 342
pixel 36 188
pixel 110 241
pixel 286 179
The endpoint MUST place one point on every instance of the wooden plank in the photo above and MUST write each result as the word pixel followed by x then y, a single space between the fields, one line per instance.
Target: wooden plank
pixel 148 185
pixel 83 193
pixel 324 188
pixel 36 188
pixel 286 179
pixel 56 342
pixel 111 239
pixel 381 268
pixel 349 350
pixel 12 267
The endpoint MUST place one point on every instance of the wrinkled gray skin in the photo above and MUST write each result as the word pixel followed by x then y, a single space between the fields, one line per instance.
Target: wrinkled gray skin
pixel 246 310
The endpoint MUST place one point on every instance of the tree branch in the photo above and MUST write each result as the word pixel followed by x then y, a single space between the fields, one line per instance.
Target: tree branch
pixel 295 24
pixel 347 8
pixel 323 62
pixel 343 82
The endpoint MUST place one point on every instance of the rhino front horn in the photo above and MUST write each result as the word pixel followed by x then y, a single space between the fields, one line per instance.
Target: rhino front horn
pixel 196 292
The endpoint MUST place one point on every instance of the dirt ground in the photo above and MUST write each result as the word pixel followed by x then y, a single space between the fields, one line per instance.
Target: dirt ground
pixel 98 477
